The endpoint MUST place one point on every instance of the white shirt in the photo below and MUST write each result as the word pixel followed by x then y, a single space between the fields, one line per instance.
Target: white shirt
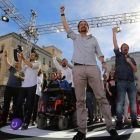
pixel 66 72
pixel 39 82
pixel 30 74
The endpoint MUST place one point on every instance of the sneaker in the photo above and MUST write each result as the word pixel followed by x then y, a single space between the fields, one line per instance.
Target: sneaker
pixel 119 125
pixel 79 136
pixel 24 126
pixel 96 120
pixel 90 122
pixel 127 121
pixel 135 124
pixel 101 120
pixel 114 135
pixel 33 123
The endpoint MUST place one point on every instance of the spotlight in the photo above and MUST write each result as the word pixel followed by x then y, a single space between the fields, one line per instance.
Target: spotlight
pixel 5 19
pixel 118 29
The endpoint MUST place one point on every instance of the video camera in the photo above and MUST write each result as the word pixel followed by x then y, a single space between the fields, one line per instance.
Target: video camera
pixel 17 50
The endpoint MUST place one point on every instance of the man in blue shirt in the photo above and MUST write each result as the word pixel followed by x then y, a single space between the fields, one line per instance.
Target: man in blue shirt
pixel 63 85
pixel 125 68
pixel 12 88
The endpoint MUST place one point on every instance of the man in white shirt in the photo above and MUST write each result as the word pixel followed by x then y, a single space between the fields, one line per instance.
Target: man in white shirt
pixel 28 88
pixel 64 68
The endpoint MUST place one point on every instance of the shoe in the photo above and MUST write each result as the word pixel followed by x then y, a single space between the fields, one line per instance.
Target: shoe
pixel 2 123
pixel 119 125
pixel 114 135
pixel 33 123
pixel 90 122
pixel 127 121
pixel 24 126
pixel 79 136
pixel 101 120
pixel 96 120
pixel 135 124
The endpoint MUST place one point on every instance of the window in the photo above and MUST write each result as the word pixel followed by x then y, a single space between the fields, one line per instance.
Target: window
pixel 43 61
pixel 2 48
pixel 49 63
pixel 49 76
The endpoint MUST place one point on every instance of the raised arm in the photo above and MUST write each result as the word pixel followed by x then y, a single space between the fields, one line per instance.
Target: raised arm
pixel 6 60
pixel 57 65
pixel 62 9
pixel 114 30
pixel 29 64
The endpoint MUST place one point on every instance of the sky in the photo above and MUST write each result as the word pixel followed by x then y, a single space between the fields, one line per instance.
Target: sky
pixel 48 11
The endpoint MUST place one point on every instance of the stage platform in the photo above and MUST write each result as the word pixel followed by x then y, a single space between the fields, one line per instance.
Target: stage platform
pixel 96 131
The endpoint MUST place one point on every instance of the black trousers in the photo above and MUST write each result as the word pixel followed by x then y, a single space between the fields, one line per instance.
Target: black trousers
pixel 8 94
pixel 27 93
pixel 36 99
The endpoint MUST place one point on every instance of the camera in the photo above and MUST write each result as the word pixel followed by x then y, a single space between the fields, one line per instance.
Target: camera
pixel 17 50
pixel 33 50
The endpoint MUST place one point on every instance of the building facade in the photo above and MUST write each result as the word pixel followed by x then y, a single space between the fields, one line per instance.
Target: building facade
pixel 110 63
pixel 10 42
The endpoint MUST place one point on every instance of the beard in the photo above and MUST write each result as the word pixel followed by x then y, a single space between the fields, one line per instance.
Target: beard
pixel 83 30
pixel 64 65
pixel 59 78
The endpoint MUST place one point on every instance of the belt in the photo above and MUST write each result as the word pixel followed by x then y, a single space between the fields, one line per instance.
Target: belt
pixel 78 64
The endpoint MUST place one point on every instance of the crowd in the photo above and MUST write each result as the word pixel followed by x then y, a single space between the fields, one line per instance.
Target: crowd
pixel 113 96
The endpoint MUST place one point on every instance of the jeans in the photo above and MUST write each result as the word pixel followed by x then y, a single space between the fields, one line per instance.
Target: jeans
pixel 8 94
pixel 89 104
pixel 122 88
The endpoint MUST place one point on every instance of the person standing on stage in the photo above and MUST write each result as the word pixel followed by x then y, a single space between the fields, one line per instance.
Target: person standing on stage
pixel 12 88
pixel 37 95
pixel 28 88
pixel 65 69
pixel 86 69
pixel 125 69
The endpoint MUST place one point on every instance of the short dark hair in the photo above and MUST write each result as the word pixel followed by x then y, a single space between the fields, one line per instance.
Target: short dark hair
pixel 36 54
pixel 64 59
pixel 53 73
pixel 44 75
pixel 82 21
pixel 124 44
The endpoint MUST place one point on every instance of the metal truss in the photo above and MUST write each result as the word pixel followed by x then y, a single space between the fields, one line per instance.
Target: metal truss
pixel 31 31
pixel 94 22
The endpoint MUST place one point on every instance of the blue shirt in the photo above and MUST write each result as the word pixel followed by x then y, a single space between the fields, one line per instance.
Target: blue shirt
pixel 63 84
pixel 123 70
pixel 14 81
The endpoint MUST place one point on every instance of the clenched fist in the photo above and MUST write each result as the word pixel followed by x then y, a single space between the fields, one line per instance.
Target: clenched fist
pixel 114 30
pixel 62 9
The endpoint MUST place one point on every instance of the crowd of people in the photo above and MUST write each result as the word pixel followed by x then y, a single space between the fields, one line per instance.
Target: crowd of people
pixel 106 98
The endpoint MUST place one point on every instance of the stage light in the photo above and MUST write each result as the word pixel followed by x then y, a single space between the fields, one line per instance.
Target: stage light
pixel 118 29
pixel 57 31
pixel 5 19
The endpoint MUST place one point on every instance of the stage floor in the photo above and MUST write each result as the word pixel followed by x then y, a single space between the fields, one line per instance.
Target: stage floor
pixel 96 131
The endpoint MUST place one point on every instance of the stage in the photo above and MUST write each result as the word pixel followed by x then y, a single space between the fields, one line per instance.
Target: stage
pixel 96 131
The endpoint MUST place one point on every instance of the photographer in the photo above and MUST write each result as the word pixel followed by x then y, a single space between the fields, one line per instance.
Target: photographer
pixel 28 88
pixel 12 88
